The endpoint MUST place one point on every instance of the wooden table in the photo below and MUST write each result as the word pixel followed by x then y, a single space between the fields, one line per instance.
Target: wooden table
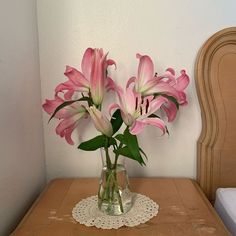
pixel 184 210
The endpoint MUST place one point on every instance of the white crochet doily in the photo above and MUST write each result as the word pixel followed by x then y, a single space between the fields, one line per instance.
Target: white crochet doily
pixel 86 212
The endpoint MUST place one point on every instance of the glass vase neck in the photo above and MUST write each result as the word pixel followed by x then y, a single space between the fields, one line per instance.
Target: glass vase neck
pixel 110 159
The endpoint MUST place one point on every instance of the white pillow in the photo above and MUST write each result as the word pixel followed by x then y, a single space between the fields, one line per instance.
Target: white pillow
pixel 225 206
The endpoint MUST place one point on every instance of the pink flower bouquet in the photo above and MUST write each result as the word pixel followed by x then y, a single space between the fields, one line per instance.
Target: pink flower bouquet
pixel 82 96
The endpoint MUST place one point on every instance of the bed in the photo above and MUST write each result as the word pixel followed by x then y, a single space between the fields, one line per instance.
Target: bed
pixel 215 76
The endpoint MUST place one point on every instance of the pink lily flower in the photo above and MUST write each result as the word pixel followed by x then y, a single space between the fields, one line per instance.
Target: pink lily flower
pixel 69 116
pixel 179 84
pixel 148 83
pixel 101 123
pixel 92 79
pixel 135 110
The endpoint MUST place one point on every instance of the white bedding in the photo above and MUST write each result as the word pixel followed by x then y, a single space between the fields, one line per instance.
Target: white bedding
pixel 225 206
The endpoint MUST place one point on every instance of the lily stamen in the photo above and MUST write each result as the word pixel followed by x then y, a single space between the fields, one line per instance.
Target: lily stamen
pixel 136 103
pixel 147 105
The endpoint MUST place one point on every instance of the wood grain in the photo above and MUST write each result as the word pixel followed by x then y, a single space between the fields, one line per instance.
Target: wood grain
pixel 215 76
pixel 184 210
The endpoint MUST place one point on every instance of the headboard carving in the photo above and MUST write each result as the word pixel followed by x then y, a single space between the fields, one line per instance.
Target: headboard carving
pixel 215 76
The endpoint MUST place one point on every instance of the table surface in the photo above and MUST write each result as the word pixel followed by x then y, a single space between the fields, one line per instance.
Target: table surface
pixel 184 210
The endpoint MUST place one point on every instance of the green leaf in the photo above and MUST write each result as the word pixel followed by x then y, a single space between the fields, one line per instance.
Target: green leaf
pixel 67 103
pixel 97 142
pixel 127 153
pixel 111 141
pixel 93 144
pixel 120 137
pixel 141 150
pixel 116 121
pixel 132 144
pixel 123 151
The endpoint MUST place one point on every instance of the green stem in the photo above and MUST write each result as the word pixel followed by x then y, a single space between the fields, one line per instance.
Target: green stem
pixel 111 186
pixel 115 184
pixel 106 189
pixel 117 155
pixel 108 160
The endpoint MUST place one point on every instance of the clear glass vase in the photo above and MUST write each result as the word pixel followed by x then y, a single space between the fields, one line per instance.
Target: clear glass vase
pixel 114 195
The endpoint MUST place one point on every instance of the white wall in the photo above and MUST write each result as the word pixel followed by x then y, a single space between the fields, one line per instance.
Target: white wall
pixel 22 167
pixel 171 32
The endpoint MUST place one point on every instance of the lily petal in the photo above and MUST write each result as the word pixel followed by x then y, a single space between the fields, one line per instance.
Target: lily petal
pixel 151 83
pixel 156 122
pixel 68 88
pixel 145 71
pixel 76 77
pixel 182 98
pixel 155 104
pixel 129 100
pixel 68 95
pixel 63 125
pixel 168 76
pixel 113 107
pixel 97 79
pixel 182 81
pixel 138 125
pixel 101 123
pixel 131 81
pixel 68 133
pixel 65 131
pixel 69 116
pixel 171 70
pixel 111 85
pixel 111 62
pixel 87 62
pixel 170 109
pixel 163 87
pixel 50 105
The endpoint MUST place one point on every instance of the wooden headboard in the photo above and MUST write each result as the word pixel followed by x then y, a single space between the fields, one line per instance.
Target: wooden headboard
pixel 215 76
